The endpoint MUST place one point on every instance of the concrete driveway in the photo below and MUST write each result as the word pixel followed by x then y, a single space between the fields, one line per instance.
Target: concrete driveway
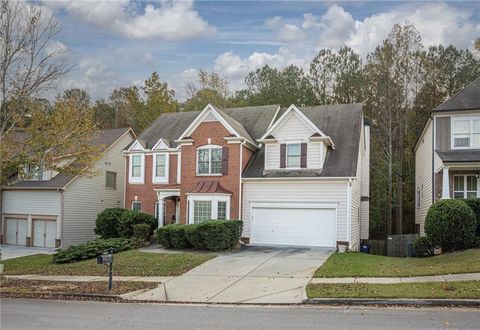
pixel 252 275
pixel 15 251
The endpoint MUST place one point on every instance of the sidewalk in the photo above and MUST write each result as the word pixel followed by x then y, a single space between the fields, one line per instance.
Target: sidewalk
pixel 67 278
pixel 396 280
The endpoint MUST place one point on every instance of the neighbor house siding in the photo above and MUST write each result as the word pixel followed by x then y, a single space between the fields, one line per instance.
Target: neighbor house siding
pixel 365 185
pixel 33 202
pixel 423 176
pixel 355 214
pixel 85 197
pixel 301 191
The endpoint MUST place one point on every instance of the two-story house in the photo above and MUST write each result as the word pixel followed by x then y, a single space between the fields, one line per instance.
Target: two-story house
pixel 53 209
pixel 295 176
pixel 447 153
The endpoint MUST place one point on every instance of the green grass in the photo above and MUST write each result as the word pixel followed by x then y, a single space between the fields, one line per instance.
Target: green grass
pixel 456 290
pixel 367 265
pixel 128 263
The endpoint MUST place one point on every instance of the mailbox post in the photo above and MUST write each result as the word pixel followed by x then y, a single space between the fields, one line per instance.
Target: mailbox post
pixel 107 259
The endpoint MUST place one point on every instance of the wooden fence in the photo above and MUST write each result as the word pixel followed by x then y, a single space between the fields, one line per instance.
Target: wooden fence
pixel 393 246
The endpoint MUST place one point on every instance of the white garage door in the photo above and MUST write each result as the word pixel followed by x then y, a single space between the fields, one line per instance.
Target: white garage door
pixel 16 231
pixel 283 225
pixel 44 233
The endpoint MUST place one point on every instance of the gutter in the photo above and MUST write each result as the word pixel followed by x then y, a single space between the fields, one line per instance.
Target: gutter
pixel 306 178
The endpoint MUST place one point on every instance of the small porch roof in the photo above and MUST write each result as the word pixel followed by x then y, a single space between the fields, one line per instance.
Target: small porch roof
pixel 459 156
pixel 209 187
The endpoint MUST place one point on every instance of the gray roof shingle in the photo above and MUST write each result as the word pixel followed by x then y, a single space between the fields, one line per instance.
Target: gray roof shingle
pixel 466 99
pixel 343 124
pixel 105 138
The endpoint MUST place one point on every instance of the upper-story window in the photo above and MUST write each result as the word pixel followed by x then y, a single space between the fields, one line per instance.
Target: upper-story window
pixel 160 168
pixel 210 160
pixel 293 155
pixel 466 133
pixel 137 165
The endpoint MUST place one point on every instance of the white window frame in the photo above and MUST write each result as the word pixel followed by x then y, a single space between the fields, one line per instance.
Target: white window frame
pixel 209 147
pixel 470 134
pixel 160 179
pixel 136 202
pixel 465 191
pixel 213 198
pixel 141 178
pixel 299 156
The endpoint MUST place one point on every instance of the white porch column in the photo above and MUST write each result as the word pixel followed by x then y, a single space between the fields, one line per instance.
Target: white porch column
pixel 58 235
pixel 445 183
pixel 160 212
pixel 29 226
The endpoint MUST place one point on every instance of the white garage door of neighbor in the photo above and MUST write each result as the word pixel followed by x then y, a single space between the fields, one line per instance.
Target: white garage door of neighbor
pixel 282 225
pixel 44 233
pixel 16 231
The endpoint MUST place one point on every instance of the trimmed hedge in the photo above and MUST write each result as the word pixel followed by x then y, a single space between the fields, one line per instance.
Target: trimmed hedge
pixel 173 236
pixel 106 225
pixel 422 247
pixel 451 224
pixel 133 217
pixel 214 235
pixel 474 204
pixel 90 250
pixel 141 231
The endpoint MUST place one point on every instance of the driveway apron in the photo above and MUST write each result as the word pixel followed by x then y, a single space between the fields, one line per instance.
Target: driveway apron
pixel 252 275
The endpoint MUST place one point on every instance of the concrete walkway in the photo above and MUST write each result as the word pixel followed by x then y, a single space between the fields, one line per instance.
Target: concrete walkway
pixel 16 251
pixel 253 275
pixel 396 280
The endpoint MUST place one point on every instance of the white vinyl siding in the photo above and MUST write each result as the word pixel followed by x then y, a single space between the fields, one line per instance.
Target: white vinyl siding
pixel 423 175
pixel 85 197
pixel 355 213
pixel 35 202
pixel 294 130
pixel 365 184
pixel 284 192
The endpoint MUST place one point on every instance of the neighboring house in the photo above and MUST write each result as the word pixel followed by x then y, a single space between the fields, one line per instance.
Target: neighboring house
pixel 447 154
pixel 296 176
pixel 58 210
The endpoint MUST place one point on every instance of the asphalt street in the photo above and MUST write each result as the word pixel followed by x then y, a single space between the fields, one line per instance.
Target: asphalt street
pixel 49 314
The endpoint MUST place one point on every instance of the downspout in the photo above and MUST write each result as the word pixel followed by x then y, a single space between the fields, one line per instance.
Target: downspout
pixel 433 157
pixel 240 192
pixel 349 211
pixel 62 214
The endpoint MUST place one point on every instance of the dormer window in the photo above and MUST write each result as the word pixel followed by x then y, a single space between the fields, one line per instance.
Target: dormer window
pixel 293 155
pixel 211 160
pixel 33 172
pixel 466 133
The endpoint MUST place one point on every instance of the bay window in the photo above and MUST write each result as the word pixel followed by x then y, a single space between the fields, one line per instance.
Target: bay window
pixel 466 133
pixel 203 207
pixel 464 186
pixel 202 211
pixel 209 160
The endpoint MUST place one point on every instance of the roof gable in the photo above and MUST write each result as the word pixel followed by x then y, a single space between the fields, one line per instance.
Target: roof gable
pixel 137 145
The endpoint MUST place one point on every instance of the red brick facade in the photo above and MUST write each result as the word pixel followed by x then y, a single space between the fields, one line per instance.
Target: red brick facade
pixel 206 133
pixel 451 173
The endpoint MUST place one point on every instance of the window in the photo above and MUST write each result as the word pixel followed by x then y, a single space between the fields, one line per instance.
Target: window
pixel 202 210
pixel 464 186
pixel 137 206
pixel 160 168
pixel 209 160
pixel 33 172
pixel 466 133
pixel 137 163
pixel 160 165
pixel 111 180
pixel 293 155
pixel 222 210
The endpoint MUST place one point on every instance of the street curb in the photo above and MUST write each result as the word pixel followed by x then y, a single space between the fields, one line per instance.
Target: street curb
pixel 395 302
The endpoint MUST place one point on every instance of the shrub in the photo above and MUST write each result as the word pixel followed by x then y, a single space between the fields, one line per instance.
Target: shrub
pixel 422 247
pixel 173 236
pixel 474 204
pixel 131 218
pixel 106 225
pixel 219 235
pixel 90 250
pixel 141 231
pixel 476 243
pixel 192 234
pixel 450 224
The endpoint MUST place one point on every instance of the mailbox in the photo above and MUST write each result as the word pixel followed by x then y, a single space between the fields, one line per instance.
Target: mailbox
pixel 104 259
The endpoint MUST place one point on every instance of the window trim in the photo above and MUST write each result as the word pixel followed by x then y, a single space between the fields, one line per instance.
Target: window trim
pixel 465 185
pixel 141 178
pixel 471 119
pixel 209 147
pixel 214 198
pixel 299 155
pixel 136 202
pixel 114 182
pixel 160 179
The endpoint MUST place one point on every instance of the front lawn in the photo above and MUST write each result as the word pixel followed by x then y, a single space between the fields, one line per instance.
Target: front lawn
pixel 20 286
pixel 367 265
pixel 128 263
pixel 452 290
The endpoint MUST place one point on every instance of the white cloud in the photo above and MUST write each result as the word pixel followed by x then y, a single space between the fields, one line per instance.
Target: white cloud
pixel 438 23
pixel 56 48
pixel 169 20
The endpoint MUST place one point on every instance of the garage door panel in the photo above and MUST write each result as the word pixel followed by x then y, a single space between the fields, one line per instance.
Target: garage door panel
pixel 44 232
pixel 22 232
pixel 16 231
pixel 12 231
pixel 293 226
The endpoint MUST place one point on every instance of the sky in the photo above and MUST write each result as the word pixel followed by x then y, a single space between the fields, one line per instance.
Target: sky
pixel 120 43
